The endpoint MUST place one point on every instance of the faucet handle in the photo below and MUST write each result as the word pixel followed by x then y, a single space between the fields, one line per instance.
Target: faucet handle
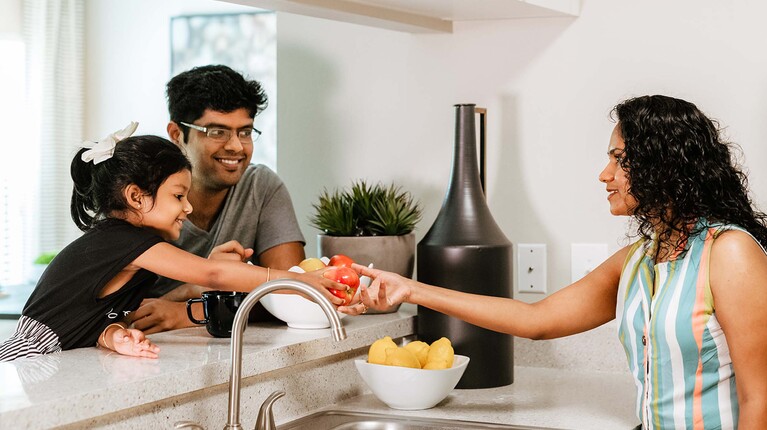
pixel 265 420
pixel 187 425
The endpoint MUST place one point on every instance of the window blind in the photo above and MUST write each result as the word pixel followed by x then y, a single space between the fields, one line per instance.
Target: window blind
pixel 16 165
pixel 54 34
pixel 41 83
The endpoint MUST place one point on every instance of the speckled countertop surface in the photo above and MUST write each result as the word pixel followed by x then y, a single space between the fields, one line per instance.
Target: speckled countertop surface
pixel 539 397
pixel 81 384
pixel 87 382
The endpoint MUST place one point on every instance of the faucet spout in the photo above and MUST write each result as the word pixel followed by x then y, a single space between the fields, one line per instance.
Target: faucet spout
pixel 238 327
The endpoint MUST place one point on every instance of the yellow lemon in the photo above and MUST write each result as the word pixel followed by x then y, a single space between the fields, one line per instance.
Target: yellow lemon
pixel 436 364
pixel 420 349
pixel 401 357
pixel 441 350
pixel 377 351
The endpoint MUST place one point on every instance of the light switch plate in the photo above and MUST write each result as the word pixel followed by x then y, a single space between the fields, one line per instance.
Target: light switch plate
pixel 585 257
pixel 531 268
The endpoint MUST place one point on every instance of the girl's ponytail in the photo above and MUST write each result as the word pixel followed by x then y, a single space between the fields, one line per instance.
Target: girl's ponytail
pixel 82 205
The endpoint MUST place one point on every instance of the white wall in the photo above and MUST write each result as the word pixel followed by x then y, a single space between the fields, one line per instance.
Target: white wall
pixel 357 102
pixel 10 19
pixel 360 102
pixel 345 111
pixel 128 61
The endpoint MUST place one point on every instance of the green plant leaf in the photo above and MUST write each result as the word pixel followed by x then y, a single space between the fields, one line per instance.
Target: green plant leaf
pixel 334 214
pixel 45 257
pixel 395 212
pixel 366 210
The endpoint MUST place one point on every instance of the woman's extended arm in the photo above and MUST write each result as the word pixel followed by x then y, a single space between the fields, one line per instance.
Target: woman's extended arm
pixel 738 277
pixel 588 303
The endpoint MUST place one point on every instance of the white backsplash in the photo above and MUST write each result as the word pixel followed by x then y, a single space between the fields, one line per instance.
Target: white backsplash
pixel 598 349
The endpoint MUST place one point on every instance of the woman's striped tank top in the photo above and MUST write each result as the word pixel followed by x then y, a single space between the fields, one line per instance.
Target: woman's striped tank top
pixel 676 349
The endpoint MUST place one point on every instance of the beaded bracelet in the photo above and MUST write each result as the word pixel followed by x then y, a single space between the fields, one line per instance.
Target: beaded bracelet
pixel 103 334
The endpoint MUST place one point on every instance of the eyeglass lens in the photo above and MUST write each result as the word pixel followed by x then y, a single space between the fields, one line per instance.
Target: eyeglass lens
pixel 224 134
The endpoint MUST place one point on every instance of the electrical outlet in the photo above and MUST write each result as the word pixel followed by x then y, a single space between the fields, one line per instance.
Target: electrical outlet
pixel 585 257
pixel 531 268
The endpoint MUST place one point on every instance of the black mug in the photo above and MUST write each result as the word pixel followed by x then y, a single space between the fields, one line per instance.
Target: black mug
pixel 219 308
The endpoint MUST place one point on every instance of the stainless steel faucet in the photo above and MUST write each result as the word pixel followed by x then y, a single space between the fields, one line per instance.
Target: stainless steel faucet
pixel 241 318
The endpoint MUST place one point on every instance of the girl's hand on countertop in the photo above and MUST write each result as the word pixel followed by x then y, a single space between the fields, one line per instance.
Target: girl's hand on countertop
pixel 134 343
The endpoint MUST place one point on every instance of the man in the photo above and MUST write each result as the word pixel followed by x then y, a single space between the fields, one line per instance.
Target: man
pixel 211 117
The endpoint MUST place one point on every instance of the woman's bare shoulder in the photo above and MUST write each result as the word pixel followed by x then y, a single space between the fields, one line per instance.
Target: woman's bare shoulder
pixel 737 260
pixel 736 244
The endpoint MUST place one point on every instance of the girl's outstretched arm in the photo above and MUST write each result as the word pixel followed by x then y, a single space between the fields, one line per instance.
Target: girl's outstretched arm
pixel 127 341
pixel 586 304
pixel 166 260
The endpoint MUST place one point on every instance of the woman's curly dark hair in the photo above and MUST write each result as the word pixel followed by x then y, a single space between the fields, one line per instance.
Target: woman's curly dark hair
pixel 680 170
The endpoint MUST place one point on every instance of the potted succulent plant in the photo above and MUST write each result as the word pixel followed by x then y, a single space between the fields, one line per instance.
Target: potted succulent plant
pixel 371 224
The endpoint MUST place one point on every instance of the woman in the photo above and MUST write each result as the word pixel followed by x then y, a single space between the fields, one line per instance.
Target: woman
pixel 690 294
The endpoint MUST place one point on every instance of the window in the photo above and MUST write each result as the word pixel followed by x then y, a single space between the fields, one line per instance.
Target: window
pixel 41 121
pixel 18 170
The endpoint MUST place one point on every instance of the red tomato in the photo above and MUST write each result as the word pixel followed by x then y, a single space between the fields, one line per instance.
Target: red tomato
pixel 346 276
pixel 340 260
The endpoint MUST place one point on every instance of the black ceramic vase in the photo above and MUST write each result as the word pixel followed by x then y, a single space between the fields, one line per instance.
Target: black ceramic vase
pixel 466 251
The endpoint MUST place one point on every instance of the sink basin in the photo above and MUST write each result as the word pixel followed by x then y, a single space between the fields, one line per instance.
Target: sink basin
pixel 345 420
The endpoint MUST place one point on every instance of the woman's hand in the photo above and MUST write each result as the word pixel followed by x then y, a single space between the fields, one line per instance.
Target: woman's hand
pixel 131 342
pixel 386 290
pixel 231 250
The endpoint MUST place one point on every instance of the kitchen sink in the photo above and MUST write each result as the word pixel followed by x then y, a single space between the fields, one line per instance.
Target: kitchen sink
pixel 345 420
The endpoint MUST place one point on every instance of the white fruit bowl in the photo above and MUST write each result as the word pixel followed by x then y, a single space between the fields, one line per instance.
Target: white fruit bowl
pixel 411 389
pixel 297 311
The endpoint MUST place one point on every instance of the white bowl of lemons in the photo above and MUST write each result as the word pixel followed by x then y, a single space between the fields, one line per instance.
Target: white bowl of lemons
pixel 417 376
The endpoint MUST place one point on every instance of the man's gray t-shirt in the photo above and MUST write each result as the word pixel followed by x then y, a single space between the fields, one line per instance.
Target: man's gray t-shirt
pixel 257 212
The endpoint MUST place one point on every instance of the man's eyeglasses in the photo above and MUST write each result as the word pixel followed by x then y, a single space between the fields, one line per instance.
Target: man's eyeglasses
pixel 219 134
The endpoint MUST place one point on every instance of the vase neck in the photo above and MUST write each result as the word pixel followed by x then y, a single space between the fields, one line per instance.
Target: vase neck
pixel 465 173
pixel 464 218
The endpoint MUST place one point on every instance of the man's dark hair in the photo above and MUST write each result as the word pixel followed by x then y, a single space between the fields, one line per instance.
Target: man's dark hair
pixel 214 87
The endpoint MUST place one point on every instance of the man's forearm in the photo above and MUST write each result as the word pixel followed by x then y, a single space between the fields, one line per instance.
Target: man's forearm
pixel 184 292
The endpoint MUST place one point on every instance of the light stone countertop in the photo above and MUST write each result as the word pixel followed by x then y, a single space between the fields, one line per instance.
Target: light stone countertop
pixel 79 385
pixel 539 397
pixel 83 383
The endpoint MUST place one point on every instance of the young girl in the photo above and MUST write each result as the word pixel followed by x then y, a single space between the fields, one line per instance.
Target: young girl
pixel 690 295
pixel 129 198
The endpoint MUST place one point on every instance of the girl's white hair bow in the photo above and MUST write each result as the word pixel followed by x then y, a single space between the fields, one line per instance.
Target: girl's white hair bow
pixel 105 148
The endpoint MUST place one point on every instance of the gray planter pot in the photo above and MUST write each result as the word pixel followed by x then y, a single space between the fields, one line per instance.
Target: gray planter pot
pixel 390 253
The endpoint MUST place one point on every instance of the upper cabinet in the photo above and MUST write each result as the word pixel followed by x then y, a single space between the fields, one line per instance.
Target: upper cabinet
pixel 419 16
